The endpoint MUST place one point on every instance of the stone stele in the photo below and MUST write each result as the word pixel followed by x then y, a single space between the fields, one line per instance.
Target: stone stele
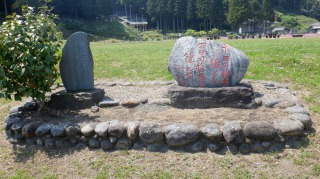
pixel 206 63
pixel 76 66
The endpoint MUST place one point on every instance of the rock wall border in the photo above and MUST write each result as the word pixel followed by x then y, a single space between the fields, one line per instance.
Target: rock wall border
pixel 233 136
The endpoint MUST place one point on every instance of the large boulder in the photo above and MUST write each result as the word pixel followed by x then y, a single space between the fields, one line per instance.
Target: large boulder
pixel 76 66
pixel 203 63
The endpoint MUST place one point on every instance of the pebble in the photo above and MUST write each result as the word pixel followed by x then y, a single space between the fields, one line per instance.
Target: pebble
pixel 270 102
pixel 180 134
pixel 130 103
pixel 213 147
pixel 232 132
pixel 297 109
pixel 154 147
pixel 73 130
pixel 94 143
pixel 43 129
pixel 150 133
pixel 244 148
pixel 197 146
pixel 133 129
pixel 123 144
pixel 265 144
pixel 49 143
pixel 106 144
pixel 144 100
pixel 108 102
pixel 58 130
pixel 212 132
pixel 94 109
pixel 87 129
pixel 17 127
pixel 289 127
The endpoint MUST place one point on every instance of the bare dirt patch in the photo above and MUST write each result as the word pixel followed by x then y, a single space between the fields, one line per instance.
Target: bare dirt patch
pixel 158 111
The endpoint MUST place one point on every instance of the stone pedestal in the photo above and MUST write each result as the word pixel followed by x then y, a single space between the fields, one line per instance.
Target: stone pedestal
pixel 75 100
pixel 240 96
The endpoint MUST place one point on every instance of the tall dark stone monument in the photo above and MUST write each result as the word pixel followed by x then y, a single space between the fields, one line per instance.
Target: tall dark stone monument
pixel 76 69
pixel 76 66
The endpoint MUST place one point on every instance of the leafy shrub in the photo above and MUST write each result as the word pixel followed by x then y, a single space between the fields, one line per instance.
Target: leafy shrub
pixel 29 54
pixel 190 32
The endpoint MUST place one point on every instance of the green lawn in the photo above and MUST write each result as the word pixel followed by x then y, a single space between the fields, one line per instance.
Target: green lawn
pixel 294 61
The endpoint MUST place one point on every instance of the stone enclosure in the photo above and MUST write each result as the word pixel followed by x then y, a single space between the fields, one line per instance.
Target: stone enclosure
pixel 139 116
pixel 210 107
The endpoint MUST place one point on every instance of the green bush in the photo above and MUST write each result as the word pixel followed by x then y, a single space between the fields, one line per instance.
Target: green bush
pixel 29 54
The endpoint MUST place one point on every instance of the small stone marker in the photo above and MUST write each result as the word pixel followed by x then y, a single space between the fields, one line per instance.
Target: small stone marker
pixel 204 63
pixel 76 66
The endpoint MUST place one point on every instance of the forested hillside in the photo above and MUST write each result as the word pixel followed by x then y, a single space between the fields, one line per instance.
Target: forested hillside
pixel 174 15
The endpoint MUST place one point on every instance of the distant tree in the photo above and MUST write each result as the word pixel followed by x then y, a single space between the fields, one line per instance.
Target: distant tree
pixel 239 11
pixel 267 10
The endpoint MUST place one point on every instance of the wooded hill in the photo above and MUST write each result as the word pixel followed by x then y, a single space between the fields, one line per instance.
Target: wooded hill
pixel 174 15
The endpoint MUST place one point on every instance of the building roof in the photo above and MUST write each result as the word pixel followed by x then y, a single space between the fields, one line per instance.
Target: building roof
pixel 278 29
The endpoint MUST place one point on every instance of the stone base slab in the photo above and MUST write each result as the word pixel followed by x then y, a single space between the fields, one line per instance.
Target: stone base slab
pixel 75 100
pixel 241 96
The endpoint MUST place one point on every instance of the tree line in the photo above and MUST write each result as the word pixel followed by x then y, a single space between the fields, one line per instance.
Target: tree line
pixel 174 15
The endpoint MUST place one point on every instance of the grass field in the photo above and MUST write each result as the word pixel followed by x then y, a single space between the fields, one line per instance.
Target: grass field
pixel 293 61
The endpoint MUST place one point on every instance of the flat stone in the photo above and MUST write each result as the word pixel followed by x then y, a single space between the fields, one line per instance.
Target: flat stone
pixel 29 129
pixel 108 102
pixel 123 144
pixel 30 106
pixel 150 133
pixel 160 102
pixel 180 134
pixel 260 130
pixel 116 130
pixel 10 121
pixel 101 129
pixel 204 63
pixel 197 146
pixel 75 100
pixel 303 118
pixel 87 129
pixel 130 103
pixel 58 130
pixel 94 143
pixel 76 66
pixel 244 148
pixel 289 127
pixel 212 132
pixel 73 130
pixel 241 96
pixel 106 144
pixel 285 104
pixel 17 126
pixel 213 147
pixel 271 102
pixel 297 109
pixel 16 109
pixel 133 129
pixel 232 133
